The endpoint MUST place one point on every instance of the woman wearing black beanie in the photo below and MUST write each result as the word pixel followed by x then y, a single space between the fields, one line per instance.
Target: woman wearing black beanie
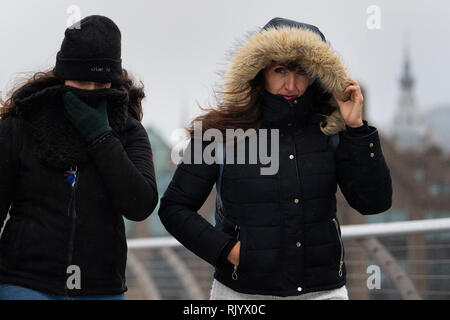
pixel 74 160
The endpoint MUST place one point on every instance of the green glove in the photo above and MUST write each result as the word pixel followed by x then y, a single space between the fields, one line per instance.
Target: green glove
pixel 91 122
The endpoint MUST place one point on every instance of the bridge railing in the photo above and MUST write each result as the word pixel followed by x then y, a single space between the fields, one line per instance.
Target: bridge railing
pixel 395 260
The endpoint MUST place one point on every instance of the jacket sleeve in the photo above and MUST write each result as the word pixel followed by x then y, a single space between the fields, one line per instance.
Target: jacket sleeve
pixel 363 175
pixel 127 172
pixel 188 190
pixel 10 145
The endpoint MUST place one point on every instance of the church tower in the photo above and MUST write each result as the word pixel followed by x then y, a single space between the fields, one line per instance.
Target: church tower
pixel 408 130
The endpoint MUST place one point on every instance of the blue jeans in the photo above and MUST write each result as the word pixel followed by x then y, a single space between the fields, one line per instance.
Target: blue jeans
pixel 13 292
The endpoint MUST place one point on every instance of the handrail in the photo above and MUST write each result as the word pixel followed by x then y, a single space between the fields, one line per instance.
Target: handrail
pixel 152 243
pixel 348 232
pixel 395 228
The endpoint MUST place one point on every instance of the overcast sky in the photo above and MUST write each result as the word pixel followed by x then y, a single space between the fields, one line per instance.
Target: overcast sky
pixel 177 47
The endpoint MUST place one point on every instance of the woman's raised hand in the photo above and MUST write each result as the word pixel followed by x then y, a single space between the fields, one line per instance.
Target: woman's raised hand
pixel 351 109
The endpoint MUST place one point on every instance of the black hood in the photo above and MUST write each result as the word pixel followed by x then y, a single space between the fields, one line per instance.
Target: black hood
pixel 283 22
pixel 287 41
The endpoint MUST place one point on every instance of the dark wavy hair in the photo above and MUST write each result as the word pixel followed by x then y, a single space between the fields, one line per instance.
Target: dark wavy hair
pixel 47 78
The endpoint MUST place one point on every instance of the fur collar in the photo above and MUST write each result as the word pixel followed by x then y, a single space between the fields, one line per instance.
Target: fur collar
pixel 286 44
pixel 57 142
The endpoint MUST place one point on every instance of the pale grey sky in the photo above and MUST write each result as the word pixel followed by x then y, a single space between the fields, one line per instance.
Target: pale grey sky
pixel 177 47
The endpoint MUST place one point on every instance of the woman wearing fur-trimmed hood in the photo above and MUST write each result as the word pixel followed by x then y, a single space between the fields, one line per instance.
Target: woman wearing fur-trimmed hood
pixel 278 235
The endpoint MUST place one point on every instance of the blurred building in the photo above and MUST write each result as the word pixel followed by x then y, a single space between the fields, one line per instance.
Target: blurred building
pixel 438 120
pixel 420 170
pixel 409 131
pixel 168 273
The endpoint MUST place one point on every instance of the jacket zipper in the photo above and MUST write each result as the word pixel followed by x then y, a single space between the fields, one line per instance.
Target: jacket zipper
pixel 296 164
pixel 72 213
pixel 234 275
pixel 297 171
pixel 341 260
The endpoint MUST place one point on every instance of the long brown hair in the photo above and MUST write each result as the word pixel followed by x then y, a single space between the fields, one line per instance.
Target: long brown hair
pixel 245 113
pixel 47 78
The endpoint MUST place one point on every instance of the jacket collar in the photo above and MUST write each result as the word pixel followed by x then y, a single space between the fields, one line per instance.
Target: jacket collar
pixel 277 112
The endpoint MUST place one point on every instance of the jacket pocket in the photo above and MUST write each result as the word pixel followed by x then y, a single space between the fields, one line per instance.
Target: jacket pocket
pixel 237 230
pixel 232 228
pixel 341 247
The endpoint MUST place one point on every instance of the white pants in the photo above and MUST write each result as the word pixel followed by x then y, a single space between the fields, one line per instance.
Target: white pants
pixel 222 292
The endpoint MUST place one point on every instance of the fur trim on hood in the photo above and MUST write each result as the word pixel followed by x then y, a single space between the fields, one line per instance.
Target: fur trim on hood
pixel 287 44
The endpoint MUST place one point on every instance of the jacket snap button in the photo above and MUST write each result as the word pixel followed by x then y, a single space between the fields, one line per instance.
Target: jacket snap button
pixel 291 157
pixel 299 289
pixel 295 101
pixel 371 145
pixel 296 200
pixel 372 155
pixel 298 244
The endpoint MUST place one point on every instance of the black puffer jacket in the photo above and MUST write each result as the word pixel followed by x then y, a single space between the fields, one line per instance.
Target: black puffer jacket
pixel 286 223
pixel 53 224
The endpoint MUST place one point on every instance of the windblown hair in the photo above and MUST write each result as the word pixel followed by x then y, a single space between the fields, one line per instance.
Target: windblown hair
pixel 238 105
pixel 47 79
pixel 245 113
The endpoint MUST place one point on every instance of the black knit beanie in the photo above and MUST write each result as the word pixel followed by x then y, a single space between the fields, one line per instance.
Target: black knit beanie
pixel 90 51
